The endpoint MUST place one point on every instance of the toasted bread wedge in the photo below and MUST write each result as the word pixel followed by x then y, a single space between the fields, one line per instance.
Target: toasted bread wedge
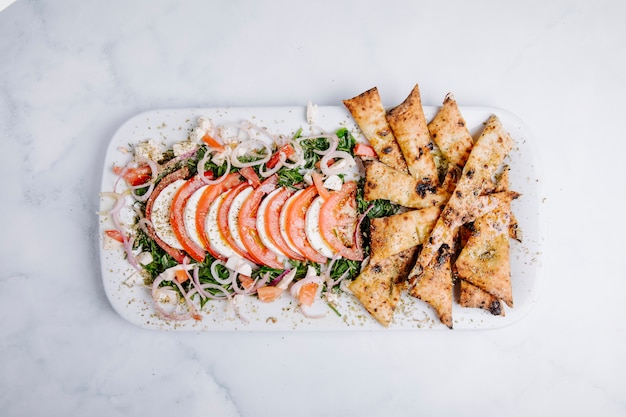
pixel 378 287
pixel 396 233
pixel 368 112
pixel 473 297
pixel 449 131
pixel 484 260
pixel 410 128
pixel 435 283
pixel 467 202
pixel 383 182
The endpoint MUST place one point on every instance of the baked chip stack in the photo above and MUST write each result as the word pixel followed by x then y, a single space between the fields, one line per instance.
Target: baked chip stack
pixel 457 219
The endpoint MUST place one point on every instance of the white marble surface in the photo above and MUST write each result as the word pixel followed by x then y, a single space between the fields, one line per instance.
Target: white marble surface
pixel 72 71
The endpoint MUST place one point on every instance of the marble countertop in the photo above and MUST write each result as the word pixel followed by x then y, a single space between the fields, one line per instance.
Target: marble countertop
pixel 71 72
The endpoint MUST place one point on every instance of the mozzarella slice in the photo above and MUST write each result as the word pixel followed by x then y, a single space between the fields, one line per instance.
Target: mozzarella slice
pixel 233 216
pixel 261 227
pixel 214 235
pixel 283 222
pixel 160 216
pixel 312 228
pixel 189 216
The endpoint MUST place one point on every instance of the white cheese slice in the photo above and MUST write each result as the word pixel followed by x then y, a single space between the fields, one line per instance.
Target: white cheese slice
pixel 189 215
pixel 233 216
pixel 161 214
pixel 312 228
pixel 214 235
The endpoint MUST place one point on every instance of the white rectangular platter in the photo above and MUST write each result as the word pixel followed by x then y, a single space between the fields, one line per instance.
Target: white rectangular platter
pixel 131 298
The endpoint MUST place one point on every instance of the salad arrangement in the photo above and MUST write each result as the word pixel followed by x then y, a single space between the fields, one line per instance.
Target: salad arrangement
pixel 238 211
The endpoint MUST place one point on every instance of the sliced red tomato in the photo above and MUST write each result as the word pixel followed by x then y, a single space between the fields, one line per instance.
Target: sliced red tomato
pixel 181 275
pixel 268 293
pixel 250 174
pixel 222 221
pixel 134 176
pixel 177 217
pixel 212 142
pixel 180 174
pixel 208 196
pixel 338 219
pixel 319 184
pixel 307 293
pixel 247 225
pixel 362 149
pixel 295 226
pixel 286 149
pixel 115 235
pixel 272 223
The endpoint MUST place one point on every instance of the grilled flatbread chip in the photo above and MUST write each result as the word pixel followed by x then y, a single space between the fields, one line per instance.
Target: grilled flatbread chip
pixel 378 287
pixel 484 260
pixel 410 128
pixel 368 112
pixel 449 131
pixel 467 202
pixel 383 182
pixel 473 297
pixel 435 284
pixel 393 234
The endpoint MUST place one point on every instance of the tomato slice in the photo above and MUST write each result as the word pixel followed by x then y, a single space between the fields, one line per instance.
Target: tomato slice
pixel 177 218
pixel 296 225
pixel 338 219
pixel 272 223
pixel 208 196
pixel 268 293
pixel 134 176
pixel 212 142
pixel 222 221
pixel 115 235
pixel 362 149
pixel 180 174
pixel 286 149
pixel 250 174
pixel 319 184
pixel 247 225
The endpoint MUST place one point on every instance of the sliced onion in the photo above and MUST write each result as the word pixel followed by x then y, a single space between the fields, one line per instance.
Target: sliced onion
pixel 245 148
pixel 346 161
pixel 127 243
pixel 216 276
pixel 191 311
pixel 206 180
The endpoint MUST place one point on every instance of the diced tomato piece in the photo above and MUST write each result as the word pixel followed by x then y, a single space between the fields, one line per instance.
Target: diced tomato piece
pixel 250 174
pixel 180 174
pixel 247 224
pixel 307 292
pixel 319 184
pixel 208 196
pixel 246 281
pixel 115 235
pixel 268 293
pixel 272 223
pixel 338 218
pixel 212 142
pixel 222 222
pixel 134 176
pixel 181 275
pixel 286 149
pixel 177 218
pixel 295 226
pixel 362 149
